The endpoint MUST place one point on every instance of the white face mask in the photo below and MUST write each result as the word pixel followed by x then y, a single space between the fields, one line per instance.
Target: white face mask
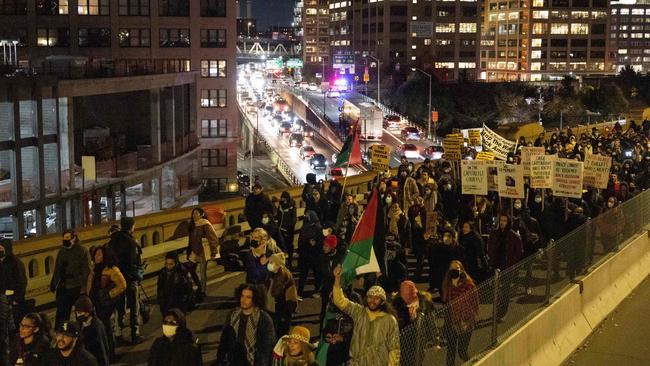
pixel 448 186
pixel 169 330
pixel 538 199
pixel 265 220
pixel 272 267
pixel 389 200
pixel 517 205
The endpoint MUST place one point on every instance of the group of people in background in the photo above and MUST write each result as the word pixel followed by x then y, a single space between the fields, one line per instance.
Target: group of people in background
pixel 456 242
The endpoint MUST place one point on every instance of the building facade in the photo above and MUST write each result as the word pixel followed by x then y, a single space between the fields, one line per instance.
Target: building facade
pixel 536 40
pixel 315 33
pixel 82 40
pixel 630 34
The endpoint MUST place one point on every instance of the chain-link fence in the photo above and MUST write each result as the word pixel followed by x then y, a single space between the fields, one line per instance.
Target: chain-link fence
pixel 479 317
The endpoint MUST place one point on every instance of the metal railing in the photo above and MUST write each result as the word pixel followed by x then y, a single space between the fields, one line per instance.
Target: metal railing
pixel 81 68
pixel 472 324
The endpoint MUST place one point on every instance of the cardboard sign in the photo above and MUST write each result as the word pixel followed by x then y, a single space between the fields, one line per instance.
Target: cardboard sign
pixel 500 146
pixel 380 157
pixel 88 168
pixel 485 155
pixel 541 171
pixel 526 154
pixel 474 137
pixel 474 177
pixel 596 171
pixel 452 145
pixel 493 174
pixel 511 181
pixel 567 179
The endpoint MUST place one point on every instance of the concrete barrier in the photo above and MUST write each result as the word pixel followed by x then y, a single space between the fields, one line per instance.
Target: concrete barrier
pixel 556 331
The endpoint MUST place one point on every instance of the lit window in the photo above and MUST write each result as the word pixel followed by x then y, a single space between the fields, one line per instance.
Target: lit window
pixel 580 14
pixel 513 15
pixel 443 65
pixel 467 65
pixel 467 27
pixel 93 7
pixel 540 14
pixel 579 28
pixel 427 42
pixel 622 51
pixel 446 27
pixel 559 28
pixel 536 42
pixel 638 11
pixel 538 3
pixel 535 66
pixel 540 28
pixel 213 68
pixel 625 11
pixel 536 54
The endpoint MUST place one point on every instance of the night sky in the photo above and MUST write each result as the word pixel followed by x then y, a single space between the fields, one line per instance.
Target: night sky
pixel 270 12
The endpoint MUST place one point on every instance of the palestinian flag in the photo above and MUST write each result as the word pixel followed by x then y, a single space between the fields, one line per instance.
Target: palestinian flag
pixel 359 259
pixel 351 150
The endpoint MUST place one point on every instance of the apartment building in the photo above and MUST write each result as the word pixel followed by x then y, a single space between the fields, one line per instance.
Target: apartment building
pixel 315 34
pixel 534 40
pixel 630 34
pixel 436 35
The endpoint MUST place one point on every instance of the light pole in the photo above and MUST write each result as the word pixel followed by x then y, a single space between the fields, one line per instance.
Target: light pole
pixel 429 111
pixel 378 78
pixel 249 29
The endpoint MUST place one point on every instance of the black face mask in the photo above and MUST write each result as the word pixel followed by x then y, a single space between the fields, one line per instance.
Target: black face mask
pixel 254 243
pixel 67 243
pixel 454 273
pixel 83 319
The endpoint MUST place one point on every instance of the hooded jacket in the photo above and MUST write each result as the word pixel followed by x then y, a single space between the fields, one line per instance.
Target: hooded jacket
pixel 505 247
pixel 311 229
pixel 286 215
pixel 128 253
pixel 256 205
pixel 182 350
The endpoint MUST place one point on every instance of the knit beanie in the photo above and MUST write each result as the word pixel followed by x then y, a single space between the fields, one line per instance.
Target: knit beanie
pixel 377 291
pixel 84 304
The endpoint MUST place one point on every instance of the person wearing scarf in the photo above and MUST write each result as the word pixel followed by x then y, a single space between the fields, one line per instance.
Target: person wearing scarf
pixel 413 308
pixel 294 349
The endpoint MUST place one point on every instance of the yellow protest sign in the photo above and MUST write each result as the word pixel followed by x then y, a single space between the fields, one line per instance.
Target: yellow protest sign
pixel 474 137
pixel 380 157
pixel 485 155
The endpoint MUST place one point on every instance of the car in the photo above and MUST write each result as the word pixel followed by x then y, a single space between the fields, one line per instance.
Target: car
pixel 392 122
pixel 410 151
pixel 318 161
pixel 285 128
pixel 434 152
pixel 333 94
pixel 299 125
pixel 276 120
pixel 307 132
pixel 296 139
pixel 411 133
pixel 280 105
pixel 312 87
pixel 306 151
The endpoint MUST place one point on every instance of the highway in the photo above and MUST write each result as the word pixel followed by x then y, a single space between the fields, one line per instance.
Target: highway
pixel 280 143
pixel 390 138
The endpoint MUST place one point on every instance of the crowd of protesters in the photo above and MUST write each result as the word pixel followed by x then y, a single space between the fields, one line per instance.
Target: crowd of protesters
pixel 456 242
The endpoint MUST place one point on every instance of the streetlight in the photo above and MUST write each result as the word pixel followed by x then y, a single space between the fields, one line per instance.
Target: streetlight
pixel 249 29
pixel 429 112
pixel 540 104
pixel 378 77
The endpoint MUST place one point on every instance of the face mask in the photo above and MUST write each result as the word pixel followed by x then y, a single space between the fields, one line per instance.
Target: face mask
pixel 67 243
pixel 389 200
pixel 169 330
pixel 610 204
pixel 446 240
pixel 272 267
pixel 265 220
pixel 517 205
pixel 255 243
pixel 448 186
pixel 410 168
pixel 82 318
pixel 427 192
pixel 326 232
pixel 538 199
pixel 403 174
pixel 447 170
pixel 454 273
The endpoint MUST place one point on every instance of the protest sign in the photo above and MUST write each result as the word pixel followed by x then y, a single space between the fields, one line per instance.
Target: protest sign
pixel 596 171
pixel 474 137
pixel 541 168
pixel 500 146
pixel 380 156
pixel 567 178
pixel 452 146
pixel 492 174
pixel 511 180
pixel 526 154
pixel 485 155
pixel 474 177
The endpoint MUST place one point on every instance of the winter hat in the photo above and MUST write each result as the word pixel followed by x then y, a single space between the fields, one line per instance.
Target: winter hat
pixel 409 291
pixel 278 258
pixel 300 333
pixel 126 223
pixel 331 241
pixel 172 255
pixel 377 291
pixel 84 304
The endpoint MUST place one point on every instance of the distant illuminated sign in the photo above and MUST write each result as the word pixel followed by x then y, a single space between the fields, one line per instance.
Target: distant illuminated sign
pixel 293 63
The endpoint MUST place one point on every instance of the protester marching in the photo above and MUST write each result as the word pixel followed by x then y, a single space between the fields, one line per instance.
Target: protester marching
pixel 397 271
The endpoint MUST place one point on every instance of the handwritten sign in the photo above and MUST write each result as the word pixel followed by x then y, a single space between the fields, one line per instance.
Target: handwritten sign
pixel 485 155
pixel 511 181
pixel 500 146
pixel 596 170
pixel 567 178
pixel 452 146
pixel 380 156
pixel 541 171
pixel 526 154
pixel 474 137
pixel 474 177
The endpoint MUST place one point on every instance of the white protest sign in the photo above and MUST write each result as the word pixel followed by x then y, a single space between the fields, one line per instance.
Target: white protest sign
pixel 500 146
pixel 511 181
pixel 596 170
pixel 492 174
pixel 474 177
pixel 567 179
pixel 527 152
pixel 541 171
